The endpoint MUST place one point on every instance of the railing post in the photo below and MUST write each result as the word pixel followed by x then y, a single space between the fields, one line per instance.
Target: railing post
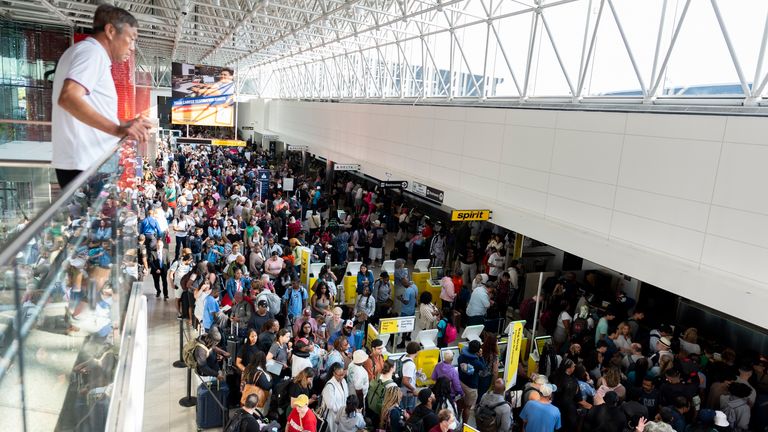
pixel 180 362
pixel 188 400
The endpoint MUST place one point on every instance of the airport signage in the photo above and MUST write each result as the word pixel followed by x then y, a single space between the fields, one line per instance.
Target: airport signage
pixel 393 184
pixel 470 215
pixel 346 167
pixel 247 128
pixel 427 192
pixel 228 142
pixel 396 325
pixel 292 147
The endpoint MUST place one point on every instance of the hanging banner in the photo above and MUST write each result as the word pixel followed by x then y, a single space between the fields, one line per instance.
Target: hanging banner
pixel 514 346
pixel 470 215
pixel 230 143
pixel 292 147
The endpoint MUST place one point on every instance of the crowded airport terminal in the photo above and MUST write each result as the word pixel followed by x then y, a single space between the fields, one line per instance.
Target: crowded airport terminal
pixel 383 215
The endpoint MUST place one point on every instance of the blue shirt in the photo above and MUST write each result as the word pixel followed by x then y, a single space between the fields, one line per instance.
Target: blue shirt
pixel 409 306
pixel 350 339
pixel 211 307
pixel 295 299
pixel 541 417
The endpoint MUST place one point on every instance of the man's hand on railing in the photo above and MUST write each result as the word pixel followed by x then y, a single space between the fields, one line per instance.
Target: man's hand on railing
pixel 137 129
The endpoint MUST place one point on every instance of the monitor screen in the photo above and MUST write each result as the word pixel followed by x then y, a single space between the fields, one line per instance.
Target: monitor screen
pixel 436 273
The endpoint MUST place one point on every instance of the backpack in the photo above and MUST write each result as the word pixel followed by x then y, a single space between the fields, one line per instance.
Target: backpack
pixel 415 424
pixel 397 377
pixel 237 422
pixel 579 326
pixel 450 332
pixel 188 353
pixel 485 416
pixel 186 280
pixel 280 399
pixel 375 397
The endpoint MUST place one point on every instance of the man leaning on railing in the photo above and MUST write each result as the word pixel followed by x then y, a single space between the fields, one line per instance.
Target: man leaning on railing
pixel 84 110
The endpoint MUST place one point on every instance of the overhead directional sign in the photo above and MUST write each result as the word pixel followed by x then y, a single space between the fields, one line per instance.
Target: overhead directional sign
pixel 346 167
pixel 470 215
pixel 292 147
pixel 425 191
pixel 393 184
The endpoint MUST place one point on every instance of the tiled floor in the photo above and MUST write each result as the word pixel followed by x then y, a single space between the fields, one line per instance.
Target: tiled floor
pixel 165 384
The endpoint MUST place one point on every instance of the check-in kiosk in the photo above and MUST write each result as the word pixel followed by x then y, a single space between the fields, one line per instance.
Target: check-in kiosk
pixel 350 282
pixel 421 275
pixel 314 272
pixel 433 285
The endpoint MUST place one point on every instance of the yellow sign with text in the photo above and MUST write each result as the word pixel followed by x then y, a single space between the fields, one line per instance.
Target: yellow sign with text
pixel 230 143
pixel 514 346
pixel 306 256
pixel 426 361
pixel 372 335
pixel 470 215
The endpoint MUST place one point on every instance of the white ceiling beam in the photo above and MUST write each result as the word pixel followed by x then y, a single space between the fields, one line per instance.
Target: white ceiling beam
pixel 248 15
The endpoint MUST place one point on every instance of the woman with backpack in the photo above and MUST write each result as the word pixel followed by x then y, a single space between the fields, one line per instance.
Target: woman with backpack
pixel 446 331
pixel 490 355
pixel 393 417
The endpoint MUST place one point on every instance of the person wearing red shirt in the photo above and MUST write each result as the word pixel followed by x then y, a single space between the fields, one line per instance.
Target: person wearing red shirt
pixel 301 419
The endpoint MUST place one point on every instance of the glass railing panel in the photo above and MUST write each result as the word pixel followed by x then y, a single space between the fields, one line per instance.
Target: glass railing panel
pixel 73 279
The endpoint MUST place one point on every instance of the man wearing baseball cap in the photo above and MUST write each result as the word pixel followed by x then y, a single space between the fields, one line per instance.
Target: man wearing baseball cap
pixel 348 331
pixel 541 415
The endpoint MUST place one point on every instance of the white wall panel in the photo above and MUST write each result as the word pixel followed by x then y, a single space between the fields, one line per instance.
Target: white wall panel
pixel 588 155
pixel 691 127
pixel 529 147
pixel 688 214
pixel 661 208
pixel 739 225
pixel 742 177
pixel 593 218
pixel 449 136
pixel 588 192
pixel 680 242
pixel 657 164
pixel 589 122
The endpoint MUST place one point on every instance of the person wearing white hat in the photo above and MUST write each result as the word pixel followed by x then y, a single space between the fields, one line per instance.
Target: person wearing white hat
pixel 357 376
pixel 541 415
pixel 720 419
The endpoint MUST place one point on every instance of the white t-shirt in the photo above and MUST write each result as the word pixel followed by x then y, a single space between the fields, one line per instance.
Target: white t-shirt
pixel 564 316
pixel 77 146
pixel 409 370
pixel 496 264
pixel 358 379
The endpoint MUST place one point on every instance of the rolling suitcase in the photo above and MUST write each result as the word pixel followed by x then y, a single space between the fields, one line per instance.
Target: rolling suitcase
pixel 233 343
pixel 209 412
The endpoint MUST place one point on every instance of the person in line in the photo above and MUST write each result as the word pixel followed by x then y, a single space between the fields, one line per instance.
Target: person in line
pixel 352 419
pixel 408 387
pixel 470 366
pixel 495 400
pixel 245 416
pixel 447 422
pixel 540 415
pixel 424 410
pixel 84 122
pixel 335 395
pixel 301 418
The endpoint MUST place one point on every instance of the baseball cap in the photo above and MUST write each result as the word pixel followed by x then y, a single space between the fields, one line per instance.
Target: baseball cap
pixel 720 419
pixel 262 303
pixel 301 401
pixel 302 343
pixel 349 323
pixel 547 389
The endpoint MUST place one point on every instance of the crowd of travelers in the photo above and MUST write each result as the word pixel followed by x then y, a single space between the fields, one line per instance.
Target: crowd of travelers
pixel 225 248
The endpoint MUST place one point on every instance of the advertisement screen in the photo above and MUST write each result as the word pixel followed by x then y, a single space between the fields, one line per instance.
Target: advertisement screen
pixel 203 95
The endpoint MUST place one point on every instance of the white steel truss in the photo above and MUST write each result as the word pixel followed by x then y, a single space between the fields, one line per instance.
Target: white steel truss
pixel 562 51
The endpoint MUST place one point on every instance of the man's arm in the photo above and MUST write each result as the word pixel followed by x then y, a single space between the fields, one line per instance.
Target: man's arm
pixel 71 100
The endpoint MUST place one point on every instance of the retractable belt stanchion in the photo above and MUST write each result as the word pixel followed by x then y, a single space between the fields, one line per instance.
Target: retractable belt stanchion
pixel 188 400
pixel 180 362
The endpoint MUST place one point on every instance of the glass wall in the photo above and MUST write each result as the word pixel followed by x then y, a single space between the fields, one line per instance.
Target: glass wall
pixel 571 50
pixel 66 279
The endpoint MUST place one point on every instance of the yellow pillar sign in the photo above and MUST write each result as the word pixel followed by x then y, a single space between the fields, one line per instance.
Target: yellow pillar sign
pixel 372 335
pixel 306 255
pixel 513 353
pixel 470 215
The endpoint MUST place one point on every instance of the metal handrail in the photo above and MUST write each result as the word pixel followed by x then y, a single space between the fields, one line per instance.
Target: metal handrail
pixel 118 404
pixel 20 239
